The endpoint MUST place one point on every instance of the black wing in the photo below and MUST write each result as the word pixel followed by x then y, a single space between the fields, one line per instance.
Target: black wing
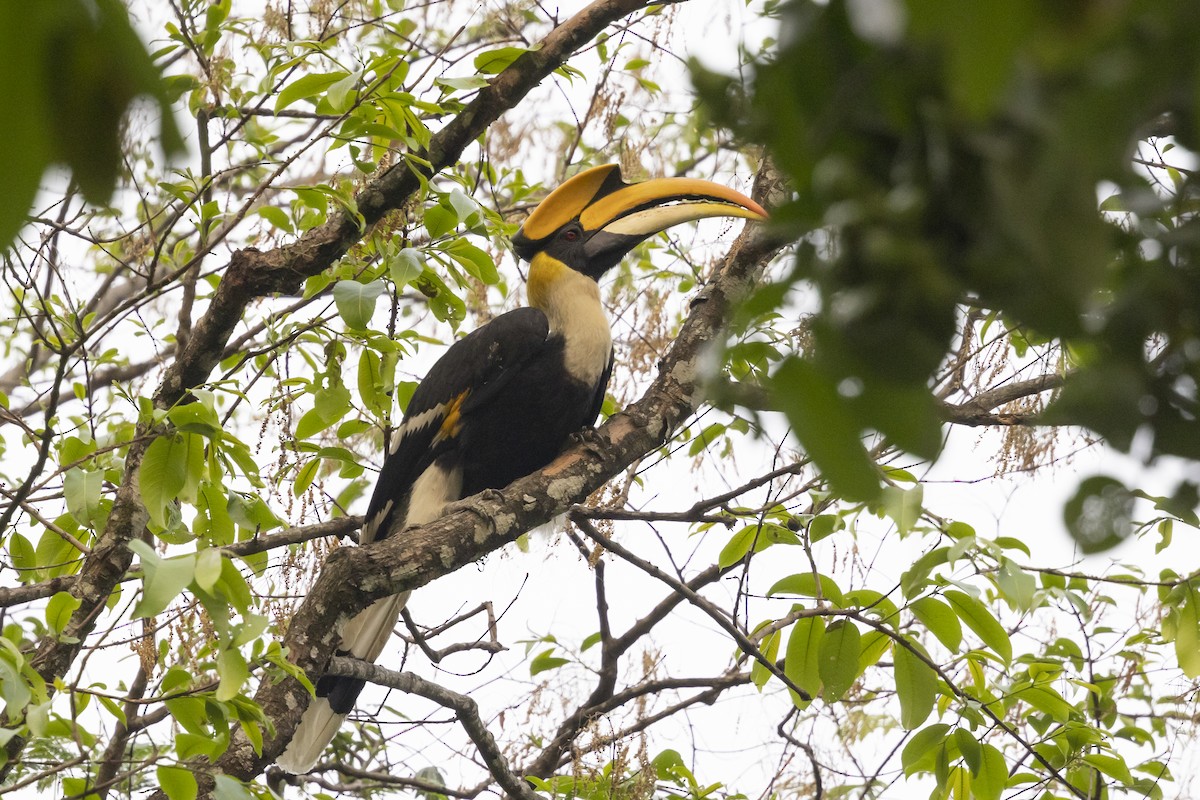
pixel 474 369
pixel 602 387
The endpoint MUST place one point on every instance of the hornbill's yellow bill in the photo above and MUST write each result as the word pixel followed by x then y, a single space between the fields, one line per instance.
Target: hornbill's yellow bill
pixel 503 400
pixel 607 217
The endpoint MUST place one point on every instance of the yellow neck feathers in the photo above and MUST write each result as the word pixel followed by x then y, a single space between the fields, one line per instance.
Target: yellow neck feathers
pixel 544 273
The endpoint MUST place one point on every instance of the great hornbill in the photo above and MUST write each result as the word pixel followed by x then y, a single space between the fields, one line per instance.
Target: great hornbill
pixel 502 401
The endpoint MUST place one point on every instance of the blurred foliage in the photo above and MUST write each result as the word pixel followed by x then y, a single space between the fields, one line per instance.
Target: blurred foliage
pixel 948 153
pixel 71 70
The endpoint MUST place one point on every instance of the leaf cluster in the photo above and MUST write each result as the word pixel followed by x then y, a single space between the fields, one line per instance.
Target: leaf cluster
pixel 947 154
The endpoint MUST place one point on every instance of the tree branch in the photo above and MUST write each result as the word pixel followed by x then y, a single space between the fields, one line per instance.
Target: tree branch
pixel 978 410
pixel 466 709
pixel 386 779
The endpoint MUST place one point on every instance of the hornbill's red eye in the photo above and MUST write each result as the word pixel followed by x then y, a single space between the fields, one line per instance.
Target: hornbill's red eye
pixel 571 235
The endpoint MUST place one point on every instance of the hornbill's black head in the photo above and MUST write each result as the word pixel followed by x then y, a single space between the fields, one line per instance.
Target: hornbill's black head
pixel 595 218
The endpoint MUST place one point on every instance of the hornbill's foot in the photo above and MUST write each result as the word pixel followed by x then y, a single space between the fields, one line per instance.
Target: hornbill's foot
pixel 588 438
pixel 474 505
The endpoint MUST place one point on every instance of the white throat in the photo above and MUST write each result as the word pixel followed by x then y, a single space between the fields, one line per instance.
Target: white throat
pixel 571 303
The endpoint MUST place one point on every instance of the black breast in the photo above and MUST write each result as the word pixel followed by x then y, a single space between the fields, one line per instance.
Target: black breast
pixel 526 424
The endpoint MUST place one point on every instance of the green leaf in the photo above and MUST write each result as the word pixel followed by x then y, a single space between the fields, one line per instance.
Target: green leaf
pixel 1016 585
pixel 444 303
pixel 462 84
pixel 23 557
pixel 78 788
pixel 1048 701
pixel 467 210
pixel 352 427
pixel 191 745
pixel 920 748
pixel 1011 543
pixel 838 663
pixel 341 93
pixel 356 302
pixel 759 536
pixel 13 687
pixel 940 619
pixel 332 402
pixel 208 568
pixel 439 221
pixel 234 672
pixel 872 602
pixel 198 418
pixel 82 492
pixel 906 414
pixel 232 587
pixel 277 217
pixel 1100 514
pixel 872 648
pixel 991 779
pixel 968 747
pixel 958 784
pixel 759 674
pixel 825 428
pixel 979 619
pixel 801 662
pixel 311 422
pixel 213 505
pixel 164 473
pixel 250 512
pixel 474 260
pixel 669 766
pixel 177 783
pixel 904 507
pixel 824 525
pixel 1112 766
pixel 805 584
pixel 916 687
pixel 405 266
pixel 491 62
pixel 228 788
pixel 916 577
pixel 545 661
pixel 1187 633
pixel 59 610
pixel 163 580
pixel 305 477
pixel 307 86
pixel 370 382
pixel 251 629
pixel 73 69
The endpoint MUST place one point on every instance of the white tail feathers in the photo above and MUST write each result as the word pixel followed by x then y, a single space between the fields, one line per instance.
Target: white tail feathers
pixel 366 634
pixel 364 637
pixel 317 728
